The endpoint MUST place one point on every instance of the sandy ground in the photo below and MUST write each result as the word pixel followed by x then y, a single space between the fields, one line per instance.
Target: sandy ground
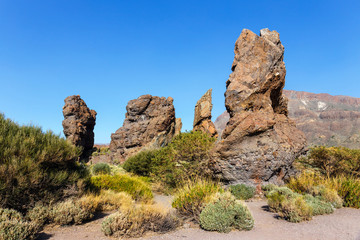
pixel 343 224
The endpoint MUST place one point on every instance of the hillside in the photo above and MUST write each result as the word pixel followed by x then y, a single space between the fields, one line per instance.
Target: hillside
pixel 325 119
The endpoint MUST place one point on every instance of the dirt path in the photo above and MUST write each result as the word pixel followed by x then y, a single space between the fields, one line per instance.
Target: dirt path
pixel 342 224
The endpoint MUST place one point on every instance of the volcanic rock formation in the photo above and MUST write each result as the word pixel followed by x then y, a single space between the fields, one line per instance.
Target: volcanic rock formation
pixel 325 119
pixel 202 117
pixel 259 143
pixel 149 123
pixel 79 122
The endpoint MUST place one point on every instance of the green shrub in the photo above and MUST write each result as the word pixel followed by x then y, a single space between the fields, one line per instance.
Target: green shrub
pixel 136 221
pixel 349 191
pixel 39 214
pixel 36 166
pixel 268 188
pixel 70 212
pixel 318 206
pixel 134 186
pixel 192 197
pixel 242 191
pixel 333 161
pixel 101 168
pixel 328 195
pixel 141 163
pixel 226 213
pixel 14 227
pixel 289 205
pixel 347 187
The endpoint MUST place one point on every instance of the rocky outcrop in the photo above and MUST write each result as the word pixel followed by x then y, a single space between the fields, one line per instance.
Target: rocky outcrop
pixel 79 122
pixel 326 119
pixel 178 126
pixel 202 116
pixel 259 143
pixel 149 123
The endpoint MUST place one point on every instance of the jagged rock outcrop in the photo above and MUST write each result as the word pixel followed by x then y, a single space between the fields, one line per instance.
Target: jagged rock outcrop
pixel 202 116
pixel 79 122
pixel 325 119
pixel 178 126
pixel 259 143
pixel 149 123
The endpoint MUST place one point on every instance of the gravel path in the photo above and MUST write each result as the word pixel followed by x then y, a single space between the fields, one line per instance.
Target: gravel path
pixel 343 224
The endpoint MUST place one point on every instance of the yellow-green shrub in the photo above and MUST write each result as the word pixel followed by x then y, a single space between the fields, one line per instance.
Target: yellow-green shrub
pixel 347 187
pixel 190 199
pixel 106 200
pixel 224 212
pixel 134 222
pixel 289 205
pixel 14 227
pixel 333 161
pixel 70 212
pixel 132 185
pixel 242 191
pixel 100 168
pixel 36 166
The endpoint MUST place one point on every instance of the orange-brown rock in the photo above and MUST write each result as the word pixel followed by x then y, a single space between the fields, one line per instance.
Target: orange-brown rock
pixel 202 116
pixel 259 143
pixel 149 123
pixel 79 122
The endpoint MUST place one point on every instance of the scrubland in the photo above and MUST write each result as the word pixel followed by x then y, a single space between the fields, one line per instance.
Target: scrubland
pixel 42 183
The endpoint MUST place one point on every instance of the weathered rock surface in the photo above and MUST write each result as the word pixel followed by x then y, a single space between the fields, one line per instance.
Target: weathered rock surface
pixel 325 119
pixel 79 122
pixel 202 116
pixel 178 126
pixel 259 143
pixel 149 123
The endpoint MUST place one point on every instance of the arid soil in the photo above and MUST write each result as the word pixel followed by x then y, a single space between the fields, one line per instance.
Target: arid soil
pixel 343 224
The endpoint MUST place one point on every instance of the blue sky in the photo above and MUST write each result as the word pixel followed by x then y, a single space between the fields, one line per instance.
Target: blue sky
pixel 110 52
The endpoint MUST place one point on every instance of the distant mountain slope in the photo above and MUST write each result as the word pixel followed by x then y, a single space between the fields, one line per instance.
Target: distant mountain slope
pixel 325 119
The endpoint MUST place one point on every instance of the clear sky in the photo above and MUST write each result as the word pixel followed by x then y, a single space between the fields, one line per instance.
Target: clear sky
pixel 110 52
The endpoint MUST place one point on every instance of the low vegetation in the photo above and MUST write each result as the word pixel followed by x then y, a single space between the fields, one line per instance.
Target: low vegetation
pixel 134 222
pixel 296 207
pixel 134 186
pixel 333 161
pixel 185 158
pixel 190 199
pixel 224 213
pixel 242 191
pixel 100 168
pixel 348 188
pixel 13 226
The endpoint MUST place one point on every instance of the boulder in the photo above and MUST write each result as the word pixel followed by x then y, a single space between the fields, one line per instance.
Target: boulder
pixel 149 123
pixel 78 123
pixel 259 143
pixel 202 116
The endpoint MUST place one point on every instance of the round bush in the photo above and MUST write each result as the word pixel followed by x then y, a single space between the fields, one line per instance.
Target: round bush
pixel 101 168
pixel 141 163
pixel 242 191
pixel 192 197
pixel 226 213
